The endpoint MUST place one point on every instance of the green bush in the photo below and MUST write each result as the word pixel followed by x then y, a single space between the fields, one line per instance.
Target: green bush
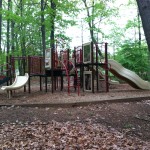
pixel 134 57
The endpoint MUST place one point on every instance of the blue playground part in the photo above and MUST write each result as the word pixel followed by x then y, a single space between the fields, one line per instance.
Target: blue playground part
pixel 3 80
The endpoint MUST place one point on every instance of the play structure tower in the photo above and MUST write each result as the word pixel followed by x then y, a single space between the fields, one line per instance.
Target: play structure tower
pixel 60 67
pixel 83 65
pixel 88 62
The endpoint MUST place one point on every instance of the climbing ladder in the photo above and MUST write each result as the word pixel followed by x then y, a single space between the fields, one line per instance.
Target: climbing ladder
pixel 69 73
pixel 68 65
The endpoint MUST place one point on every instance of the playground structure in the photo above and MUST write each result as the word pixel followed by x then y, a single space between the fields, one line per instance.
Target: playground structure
pixel 63 69
pixel 35 67
pixel 82 69
pixel 83 64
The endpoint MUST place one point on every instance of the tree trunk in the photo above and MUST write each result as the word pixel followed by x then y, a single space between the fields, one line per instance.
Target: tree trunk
pixel 52 37
pixel 144 10
pixel 12 36
pixel 43 28
pixel 0 27
pixel 8 29
pixel 91 26
pixel 139 29
pixel 22 31
pixel 53 7
pixel 12 32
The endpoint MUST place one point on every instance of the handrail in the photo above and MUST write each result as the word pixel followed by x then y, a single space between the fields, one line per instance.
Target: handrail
pixel 67 73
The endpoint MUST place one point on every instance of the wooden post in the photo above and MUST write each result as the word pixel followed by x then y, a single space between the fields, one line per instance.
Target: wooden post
pixel 52 69
pixel 106 68
pixel 97 67
pixel 92 59
pixel 24 68
pixel 29 82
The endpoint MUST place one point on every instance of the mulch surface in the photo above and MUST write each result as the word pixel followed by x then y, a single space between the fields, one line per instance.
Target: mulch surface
pixel 123 125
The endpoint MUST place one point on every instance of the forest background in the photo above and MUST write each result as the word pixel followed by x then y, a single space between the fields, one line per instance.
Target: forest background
pixel 29 27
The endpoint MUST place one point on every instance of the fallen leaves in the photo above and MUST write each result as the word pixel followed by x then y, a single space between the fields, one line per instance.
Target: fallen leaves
pixel 69 136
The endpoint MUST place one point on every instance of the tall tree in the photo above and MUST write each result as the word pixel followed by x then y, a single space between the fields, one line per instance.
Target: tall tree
pixel 12 31
pixel 90 19
pixel 22 30
pixel 139 28
pixel 144 10
pixel 43 27
pixel 0 25
pixel 53 15
pixel 8 29
pixel 26 18
pixel 97 11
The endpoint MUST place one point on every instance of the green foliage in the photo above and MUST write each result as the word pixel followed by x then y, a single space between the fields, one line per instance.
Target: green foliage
pixel 134 57
pixel 62 40
pixel 26 18
pixel 116 35
pixel 132 24
pixel 98 11
pixel 2 58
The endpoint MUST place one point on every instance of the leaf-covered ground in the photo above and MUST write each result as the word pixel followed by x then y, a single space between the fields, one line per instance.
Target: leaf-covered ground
pixel 116 126
pixel 68 135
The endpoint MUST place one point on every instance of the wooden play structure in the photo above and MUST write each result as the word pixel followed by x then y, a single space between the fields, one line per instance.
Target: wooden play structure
pixel 89 63
pixel 77 70
pixel 82 69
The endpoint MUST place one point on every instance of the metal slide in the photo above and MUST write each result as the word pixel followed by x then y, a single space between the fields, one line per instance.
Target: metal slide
pixel 19 82
pixel 129 76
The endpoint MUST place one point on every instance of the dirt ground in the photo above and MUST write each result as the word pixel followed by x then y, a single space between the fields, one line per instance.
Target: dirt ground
pixel 132 118
pixel 129 118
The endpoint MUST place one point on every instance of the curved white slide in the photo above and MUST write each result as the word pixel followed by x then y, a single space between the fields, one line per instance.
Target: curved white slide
pixel 19 82
pixel 129 76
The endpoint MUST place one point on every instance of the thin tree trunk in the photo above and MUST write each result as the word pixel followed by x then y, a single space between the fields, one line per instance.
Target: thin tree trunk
pixel 8 29
pixel 22 31
pixel 12 36
pixel 139 29
pixel 12 33
pixel 53 6
pixel 52 44
pixel 144 10
pixel 16 42
pixel 43 28
pixel 1 27
pixel 91 26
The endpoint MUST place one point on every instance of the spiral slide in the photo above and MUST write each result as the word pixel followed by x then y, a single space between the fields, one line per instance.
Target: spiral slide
pixel 19 82
pixel 129 76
